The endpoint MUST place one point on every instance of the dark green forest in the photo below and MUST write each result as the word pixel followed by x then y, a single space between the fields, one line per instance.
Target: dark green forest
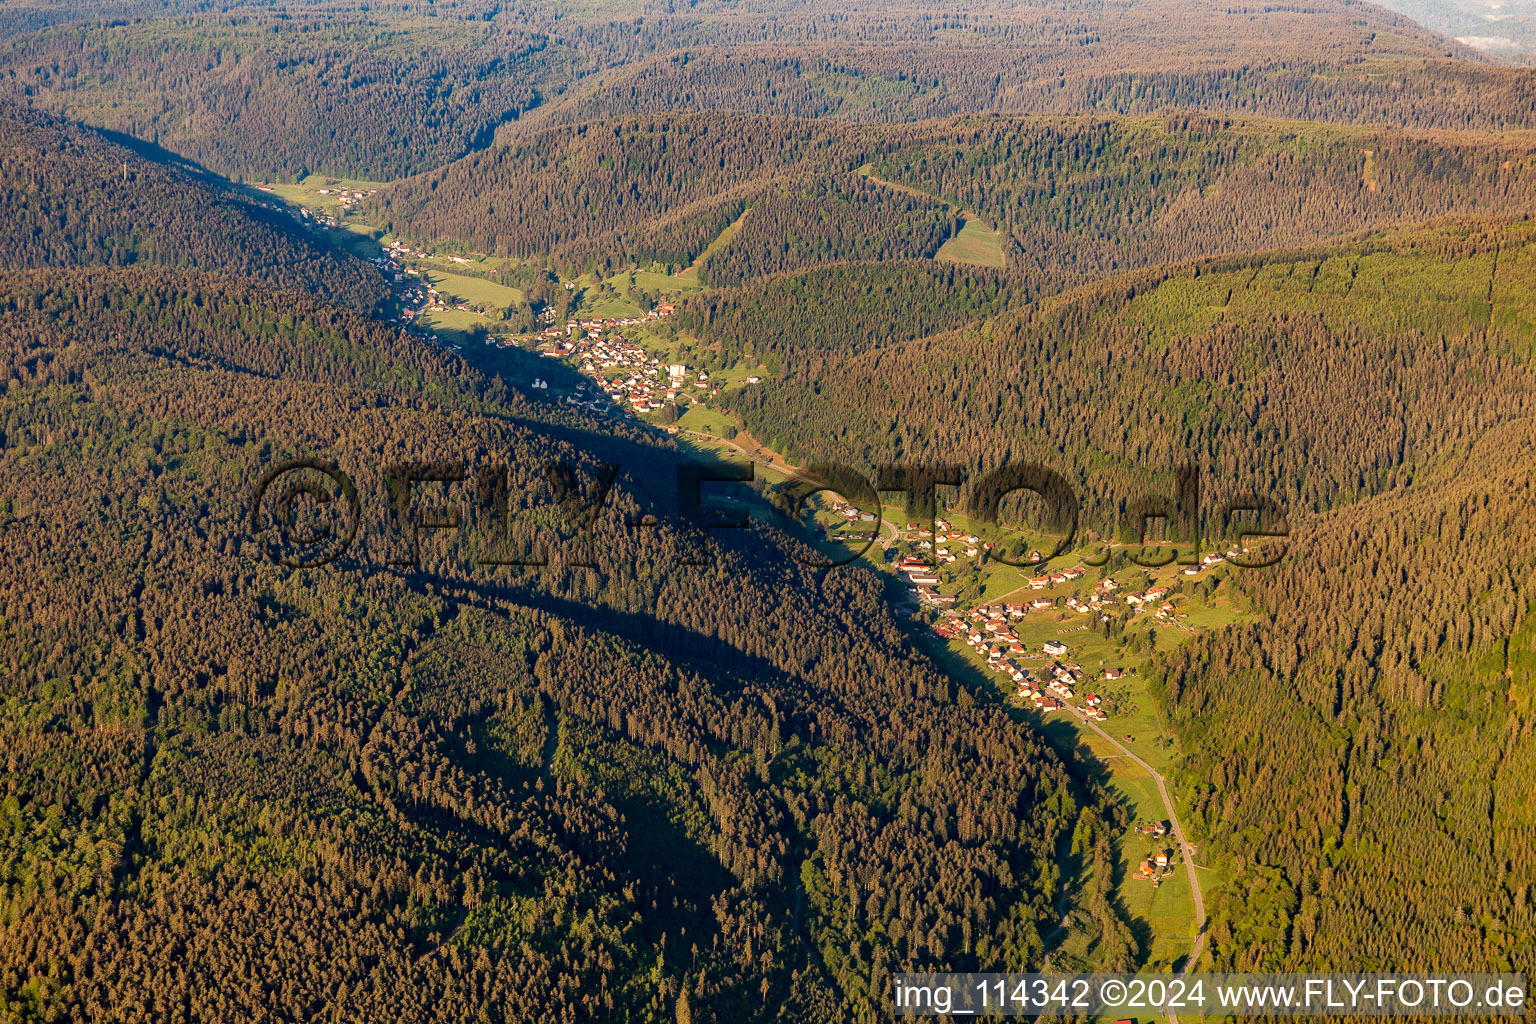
pixel 1074 199
pixel 1316 378
pixel 1107 196
pixel 492 776
pixel 1374 725
pixel 396 87
pixel 543 742
pixel 70 197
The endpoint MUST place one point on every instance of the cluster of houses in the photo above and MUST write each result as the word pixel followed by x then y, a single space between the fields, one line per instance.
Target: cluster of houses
pixel 348 197
pixel 418 298
pixel 581 338
pixel 1208 561
pixel 944 540
pixel 309 218
pixel 627 373
pixel 1077 572
pixel 923 578
pixel 400 251
pixel 990 631
pixel 1156 867
pixel 319 217
pixel 648 385
pixel 852 513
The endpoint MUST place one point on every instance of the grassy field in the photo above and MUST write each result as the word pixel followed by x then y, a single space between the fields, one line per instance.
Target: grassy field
pixel 476 291
pixel 663 284
pixel 362 240
pixel 705 420
pixel 973 243
pixel 683 347
pixel 1168 908
pixel 616 308
pixel 719 242
pixel 307 192
pixel 451 324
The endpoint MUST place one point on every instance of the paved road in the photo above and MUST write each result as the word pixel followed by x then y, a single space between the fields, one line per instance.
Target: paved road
pixel 1178 834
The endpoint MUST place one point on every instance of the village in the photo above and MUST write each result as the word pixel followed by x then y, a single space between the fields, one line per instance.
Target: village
pixel 1069 647
pixel 631 377
pixel 628 375
pixel 990 629
pixel 1072 646
pixel 1043 674
pixel 345 198
pixel 624 377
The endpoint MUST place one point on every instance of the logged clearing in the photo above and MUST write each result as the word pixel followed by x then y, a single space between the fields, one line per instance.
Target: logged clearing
pixel 973 243
pixel 691 275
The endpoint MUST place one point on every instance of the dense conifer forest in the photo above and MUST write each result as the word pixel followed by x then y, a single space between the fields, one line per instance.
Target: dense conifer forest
pixel 555 791
pixel 70 197
pixel 386 89
pixel 1318 377
pixel 546 743
pixel 1075 199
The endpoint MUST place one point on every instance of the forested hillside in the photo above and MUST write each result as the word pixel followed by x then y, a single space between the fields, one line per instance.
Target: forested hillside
pixel 69 197
pixel 838 311
pixel 1104 196
pixel 846 217
pixel 538 745
pixel 544 793
pixel 1313 378
pixel 1373 726
pixel 650 189
pixel 1075 199
pixel 284 93
pixel 383 90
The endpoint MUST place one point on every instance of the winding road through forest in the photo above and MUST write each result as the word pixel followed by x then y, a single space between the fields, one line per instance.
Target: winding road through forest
pixel 1185 847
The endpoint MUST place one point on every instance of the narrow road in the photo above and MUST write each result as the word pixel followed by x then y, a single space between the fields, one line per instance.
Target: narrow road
pixel 794 471
pixel 1185 847
pixel 764 461
pixel 1178 834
